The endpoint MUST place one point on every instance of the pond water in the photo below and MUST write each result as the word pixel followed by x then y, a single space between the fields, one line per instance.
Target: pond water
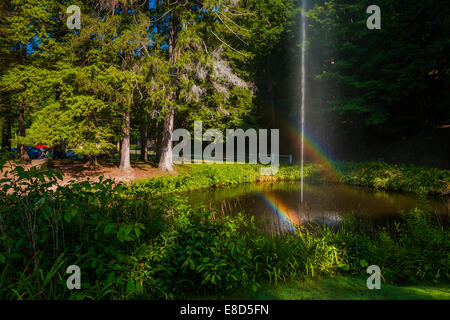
pixel 278 204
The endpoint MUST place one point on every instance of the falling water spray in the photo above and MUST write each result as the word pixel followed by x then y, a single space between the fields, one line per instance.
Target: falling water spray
pixel 303 96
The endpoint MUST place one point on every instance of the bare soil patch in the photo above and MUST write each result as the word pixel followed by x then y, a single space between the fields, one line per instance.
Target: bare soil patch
pixel 73 170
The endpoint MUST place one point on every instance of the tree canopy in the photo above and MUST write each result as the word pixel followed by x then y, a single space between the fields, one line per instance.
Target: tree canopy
pixel 151 66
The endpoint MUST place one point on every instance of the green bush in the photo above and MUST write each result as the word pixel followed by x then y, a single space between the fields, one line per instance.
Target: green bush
pixel 160 247
pixel 381 175
pixel 415 248
pixel 199 252
pixel 45 227
pixel 376 175
pixel 206 176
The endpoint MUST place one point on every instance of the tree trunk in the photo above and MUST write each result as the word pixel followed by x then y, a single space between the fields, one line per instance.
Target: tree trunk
pixel 6 129
pixel 125 144
pixel 166 162
pixel 92 161
pixel 144 140
pixel 158 139
pixel 21 148
pixel 58 151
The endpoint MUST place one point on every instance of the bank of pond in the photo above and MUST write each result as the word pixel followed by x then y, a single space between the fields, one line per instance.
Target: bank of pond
pixel 211 230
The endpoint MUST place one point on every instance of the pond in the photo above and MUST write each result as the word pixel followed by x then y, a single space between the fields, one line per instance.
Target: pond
pixel 278 204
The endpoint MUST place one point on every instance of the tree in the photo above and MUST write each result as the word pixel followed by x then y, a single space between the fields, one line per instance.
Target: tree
pixel 384 82
pixel 202 75
pixel 89 77
pixel 26 21
pixel 152 64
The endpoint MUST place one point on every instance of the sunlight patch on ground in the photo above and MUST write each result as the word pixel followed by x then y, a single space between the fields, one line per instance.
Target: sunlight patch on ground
pixel 344 288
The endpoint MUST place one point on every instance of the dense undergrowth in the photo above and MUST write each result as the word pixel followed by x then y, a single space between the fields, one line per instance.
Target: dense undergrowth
pixel 162 248
pixel 205 176
pixel 378 175
pixel 386 176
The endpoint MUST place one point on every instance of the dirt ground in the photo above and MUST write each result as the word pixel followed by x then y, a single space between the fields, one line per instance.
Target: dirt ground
pixel 73 170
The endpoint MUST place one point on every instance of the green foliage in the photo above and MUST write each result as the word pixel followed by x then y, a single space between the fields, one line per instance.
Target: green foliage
pixel 44 228
pixel 415 248
pixel 200 252
pixel 386 80
pixel 133 247
pixel 205 176
pixel 76 85
pixel 381 175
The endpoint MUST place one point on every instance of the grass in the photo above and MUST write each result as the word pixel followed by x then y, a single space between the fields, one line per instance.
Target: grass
pixel 375 175
pixel 342 287
pixel 194 177
pixel 384 176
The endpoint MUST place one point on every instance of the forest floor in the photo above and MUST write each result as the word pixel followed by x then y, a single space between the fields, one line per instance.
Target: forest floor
pixel 76 170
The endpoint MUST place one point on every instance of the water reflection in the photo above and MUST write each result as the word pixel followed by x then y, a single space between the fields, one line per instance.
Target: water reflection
pixel 278 205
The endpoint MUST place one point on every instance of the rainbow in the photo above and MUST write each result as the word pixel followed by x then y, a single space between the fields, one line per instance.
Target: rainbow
pixel 314 151
pixel 285 213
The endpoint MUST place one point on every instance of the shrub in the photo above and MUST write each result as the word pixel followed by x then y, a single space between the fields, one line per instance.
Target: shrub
pixel 381 175
pixel 160 247
pixel 199 252
pixel 205 176
pixel 415 248
pixel 44 228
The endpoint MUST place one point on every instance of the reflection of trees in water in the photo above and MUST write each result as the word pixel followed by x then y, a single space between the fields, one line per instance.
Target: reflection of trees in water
pixel 230 207
pixel 442 215
pixel 447 201
pixel 308 216
pixel 324 205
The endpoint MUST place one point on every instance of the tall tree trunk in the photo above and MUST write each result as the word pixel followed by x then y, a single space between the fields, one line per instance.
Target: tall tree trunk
pixel 21 148
pixel 166 162
pixel 125 144
pixel 144 140
pixel 6 129
pixel 158 138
